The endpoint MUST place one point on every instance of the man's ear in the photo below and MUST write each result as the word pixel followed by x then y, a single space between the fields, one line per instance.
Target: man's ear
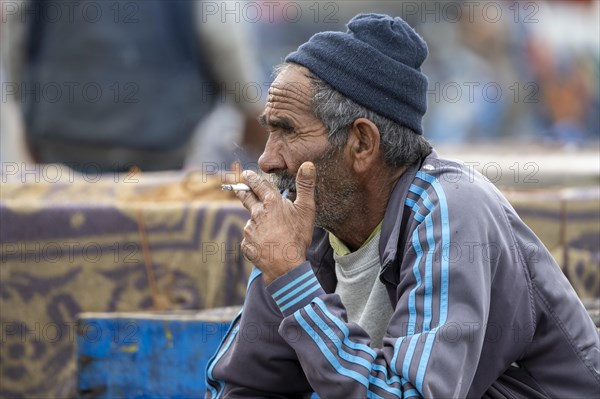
pixel 363 140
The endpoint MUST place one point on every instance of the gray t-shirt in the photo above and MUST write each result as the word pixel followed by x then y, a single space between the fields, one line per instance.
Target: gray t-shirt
pixel 362 293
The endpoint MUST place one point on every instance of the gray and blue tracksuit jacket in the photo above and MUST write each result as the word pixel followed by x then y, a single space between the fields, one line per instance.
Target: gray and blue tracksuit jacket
pixel 481 310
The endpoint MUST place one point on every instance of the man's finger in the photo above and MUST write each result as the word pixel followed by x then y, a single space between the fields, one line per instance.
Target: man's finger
pixel 306 179
pixel 248 199
pixel 258 184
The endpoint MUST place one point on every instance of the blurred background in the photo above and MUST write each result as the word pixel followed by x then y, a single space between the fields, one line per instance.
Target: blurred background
pixel 119 119
pixel 122 81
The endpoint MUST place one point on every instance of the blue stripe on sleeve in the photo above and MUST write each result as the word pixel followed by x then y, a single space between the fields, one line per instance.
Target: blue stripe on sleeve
pixel 427 202
pixel 412 310
pixel 415 208
pixel 419 217
pixel 428 299
pixel 428 277
pixel 231 334
pixel 389 380
pixel 282 300
pixel 425 358
pixel 409 354
pixel 369 365
pixel 300 297
pixel 397 345
pixel 351 344
pixel 328 332
pixel 423 195
pixel 444 284
pixel 328 355
pixel 416 189
pixel 293 283
pixel 215 360
pixel 354 345
pixel 445 252
pixel 412 393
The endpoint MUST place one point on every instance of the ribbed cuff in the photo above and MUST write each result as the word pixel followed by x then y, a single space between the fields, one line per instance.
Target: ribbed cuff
pixel 295 289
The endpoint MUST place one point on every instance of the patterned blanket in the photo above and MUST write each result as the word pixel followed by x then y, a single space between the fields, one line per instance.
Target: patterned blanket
pixel 167 241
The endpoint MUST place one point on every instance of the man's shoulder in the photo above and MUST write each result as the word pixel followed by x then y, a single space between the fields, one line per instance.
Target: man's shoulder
pixel 454 183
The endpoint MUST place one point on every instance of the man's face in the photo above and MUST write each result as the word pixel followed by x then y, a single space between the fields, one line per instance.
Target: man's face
pixel 296 136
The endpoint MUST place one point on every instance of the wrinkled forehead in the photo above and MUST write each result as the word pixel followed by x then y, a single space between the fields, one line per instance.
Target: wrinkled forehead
pixel 293 87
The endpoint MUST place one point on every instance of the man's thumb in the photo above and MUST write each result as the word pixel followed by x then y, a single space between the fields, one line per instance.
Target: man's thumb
pixel 306 179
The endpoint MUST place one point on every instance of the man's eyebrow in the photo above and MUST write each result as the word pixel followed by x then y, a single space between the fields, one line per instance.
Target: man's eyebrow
pixel 278 123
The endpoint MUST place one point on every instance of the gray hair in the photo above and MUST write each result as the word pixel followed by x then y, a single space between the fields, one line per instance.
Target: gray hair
pixel 400 145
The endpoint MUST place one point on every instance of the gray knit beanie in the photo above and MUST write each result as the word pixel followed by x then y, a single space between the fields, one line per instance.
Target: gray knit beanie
pixel 376 63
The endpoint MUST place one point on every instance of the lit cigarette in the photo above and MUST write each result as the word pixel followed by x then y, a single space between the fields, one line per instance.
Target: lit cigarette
pixel 235 187
pixel 243 187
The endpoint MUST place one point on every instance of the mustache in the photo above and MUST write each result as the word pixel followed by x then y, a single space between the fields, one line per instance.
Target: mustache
pixel 284 181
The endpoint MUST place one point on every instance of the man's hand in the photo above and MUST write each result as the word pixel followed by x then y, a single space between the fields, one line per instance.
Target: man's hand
pixel 279 232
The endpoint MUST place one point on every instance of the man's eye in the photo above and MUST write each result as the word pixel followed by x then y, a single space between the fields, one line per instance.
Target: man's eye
pixel 284 131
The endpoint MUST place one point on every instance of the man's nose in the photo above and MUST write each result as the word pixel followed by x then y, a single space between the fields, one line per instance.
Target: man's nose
pixel 271 159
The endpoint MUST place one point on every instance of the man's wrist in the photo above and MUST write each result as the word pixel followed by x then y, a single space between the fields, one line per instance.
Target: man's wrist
pixel 295 289
pixel 270 275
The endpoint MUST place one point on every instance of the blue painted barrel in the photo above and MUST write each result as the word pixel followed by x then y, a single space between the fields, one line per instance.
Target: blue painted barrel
pixel 148 354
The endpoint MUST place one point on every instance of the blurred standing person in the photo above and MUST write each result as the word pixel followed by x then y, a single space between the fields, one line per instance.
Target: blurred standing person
pixel 123 83
pixel 474 65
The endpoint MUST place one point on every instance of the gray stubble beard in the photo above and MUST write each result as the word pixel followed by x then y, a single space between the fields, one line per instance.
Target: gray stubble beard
pixel 335 190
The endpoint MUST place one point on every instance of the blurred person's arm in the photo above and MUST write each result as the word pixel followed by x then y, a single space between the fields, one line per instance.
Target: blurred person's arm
pixel 231 56
pixel 12 39
pixel 12 58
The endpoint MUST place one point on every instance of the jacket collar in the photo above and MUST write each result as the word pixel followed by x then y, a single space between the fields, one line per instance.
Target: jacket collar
pixel 392 233
pixel 392 221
